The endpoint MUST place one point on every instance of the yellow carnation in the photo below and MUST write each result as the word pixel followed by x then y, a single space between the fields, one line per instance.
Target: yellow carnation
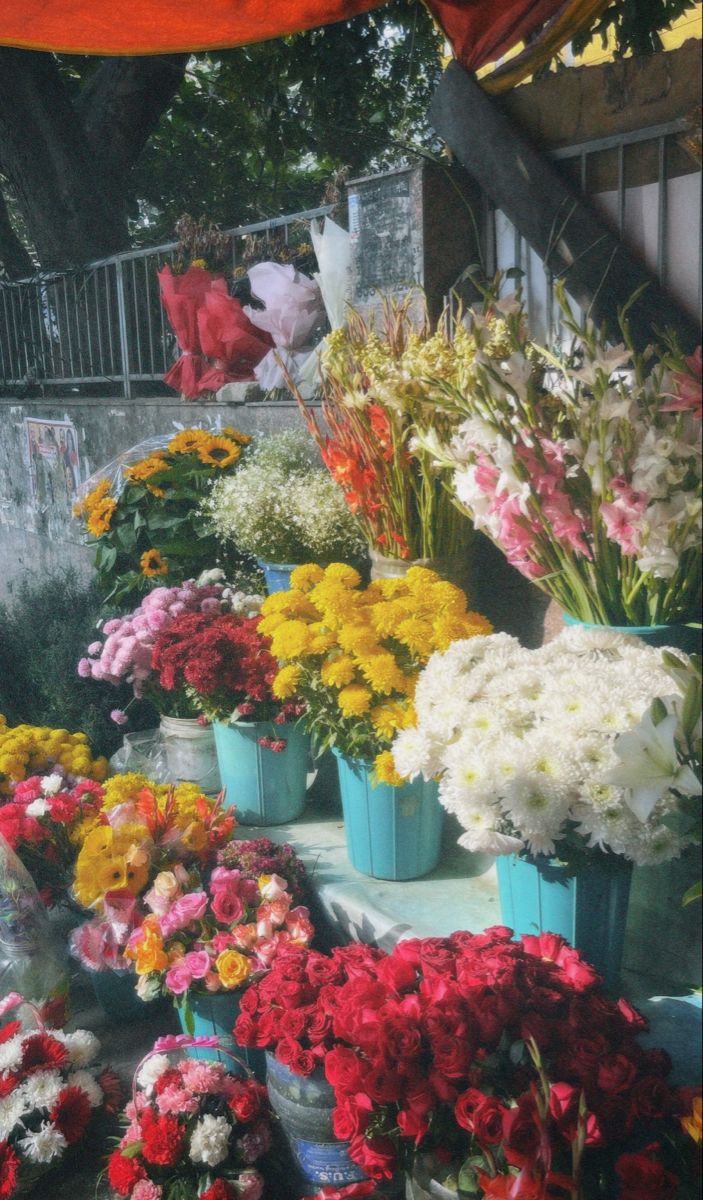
pixel 382 672
pixel 291 640
pixel 268 625
pixel 447 598
pixel 354 700
pixel 337 672
pixel 388 718
pixel 286 682
pixel 341 573
pixel 420 578
pixel 306 576
pixel 358 639
pixel 416 635
pixel 385 772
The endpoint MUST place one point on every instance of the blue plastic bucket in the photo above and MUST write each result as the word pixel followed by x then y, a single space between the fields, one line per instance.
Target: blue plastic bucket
pixel 681 637
pixel 304 1104
pixel 589 908
pixel 392 832
pixel 266 787
pixel 277 575
pixel 215 1016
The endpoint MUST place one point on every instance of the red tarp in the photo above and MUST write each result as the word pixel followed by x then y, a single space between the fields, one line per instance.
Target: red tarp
pixel 480 30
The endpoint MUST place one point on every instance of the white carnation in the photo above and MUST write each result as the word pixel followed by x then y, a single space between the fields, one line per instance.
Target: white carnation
pixel 51 784
pixel 44 1145
pixel 152 1070
pixel 209 1141
pixel 38 807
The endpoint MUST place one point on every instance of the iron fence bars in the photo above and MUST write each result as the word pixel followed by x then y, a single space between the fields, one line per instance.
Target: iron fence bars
pixel 103 324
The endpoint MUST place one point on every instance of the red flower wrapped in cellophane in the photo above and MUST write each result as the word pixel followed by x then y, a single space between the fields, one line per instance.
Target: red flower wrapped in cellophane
pixel 228 336
pixel 182 297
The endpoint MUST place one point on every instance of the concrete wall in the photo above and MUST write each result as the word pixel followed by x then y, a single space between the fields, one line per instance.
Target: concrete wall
pixel 39 534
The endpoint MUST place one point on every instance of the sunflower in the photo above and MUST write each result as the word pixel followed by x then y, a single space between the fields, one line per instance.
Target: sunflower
pixel 234 435
pixel 146 468
pixel 188 441
pixel 152 563
pixel 99 520
pixel 218 452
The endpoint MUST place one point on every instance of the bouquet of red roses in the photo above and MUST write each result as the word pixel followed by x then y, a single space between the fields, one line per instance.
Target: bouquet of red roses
pixel 225 664
pixel 503 1056
pixel 194 1129
pixel 43 823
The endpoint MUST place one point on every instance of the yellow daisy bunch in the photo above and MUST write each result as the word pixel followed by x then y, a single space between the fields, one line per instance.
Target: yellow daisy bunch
pixel 27 750
pixel 355 653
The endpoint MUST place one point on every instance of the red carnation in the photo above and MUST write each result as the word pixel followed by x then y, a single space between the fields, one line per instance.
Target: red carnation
pixel 123 1173
pixel 71 1113
pixel 8 1031
pixel 163 1141
pixel 219 1190
pixel 643 1177
pixel 40 1052
pixel 9 1170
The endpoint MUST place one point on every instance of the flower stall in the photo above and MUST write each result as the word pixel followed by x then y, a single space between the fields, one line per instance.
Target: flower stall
pixel 426 990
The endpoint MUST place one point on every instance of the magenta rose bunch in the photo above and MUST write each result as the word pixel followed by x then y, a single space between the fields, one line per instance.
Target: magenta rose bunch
pixel 503 1056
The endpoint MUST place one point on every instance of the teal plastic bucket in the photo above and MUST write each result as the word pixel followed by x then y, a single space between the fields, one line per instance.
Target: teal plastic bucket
pixel 680 637
pixel 392 832
pixel 214 1016
pixel 116 995
pixel 277 575
pixel 589 908
pixel 265 786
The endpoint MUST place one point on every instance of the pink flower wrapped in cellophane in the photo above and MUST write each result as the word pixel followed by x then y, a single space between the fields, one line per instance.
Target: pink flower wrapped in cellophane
pixel 182 297
pixel 293 308
pixel 98 944
pixel 228 336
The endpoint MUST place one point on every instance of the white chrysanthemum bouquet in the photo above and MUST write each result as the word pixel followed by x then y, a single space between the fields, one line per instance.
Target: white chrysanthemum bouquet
pixel 50 1090
pixel 524 744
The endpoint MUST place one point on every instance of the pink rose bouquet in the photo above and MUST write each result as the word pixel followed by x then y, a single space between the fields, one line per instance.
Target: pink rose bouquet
pixel 215 935
pixel 193 1128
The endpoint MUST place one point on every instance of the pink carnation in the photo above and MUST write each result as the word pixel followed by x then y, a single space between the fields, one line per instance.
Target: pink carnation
pixel 146 1189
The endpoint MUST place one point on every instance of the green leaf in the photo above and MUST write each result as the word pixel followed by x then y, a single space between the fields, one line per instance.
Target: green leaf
pixel 658 711
pixel 694 893
pixel 132 1150
pixel 189 1018
pixel 468 1180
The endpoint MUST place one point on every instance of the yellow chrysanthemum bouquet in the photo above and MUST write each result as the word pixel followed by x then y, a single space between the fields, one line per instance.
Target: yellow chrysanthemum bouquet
pixel 27 750
pixel 145 517
pixel 354 653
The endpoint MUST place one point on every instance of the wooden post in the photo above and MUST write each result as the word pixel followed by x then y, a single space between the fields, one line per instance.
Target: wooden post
pixel 575 244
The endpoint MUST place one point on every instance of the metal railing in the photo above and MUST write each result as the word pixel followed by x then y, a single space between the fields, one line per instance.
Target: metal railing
pixel 606 171
pixel 103 324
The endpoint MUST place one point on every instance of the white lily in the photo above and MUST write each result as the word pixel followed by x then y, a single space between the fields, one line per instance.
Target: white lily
pixel 649 765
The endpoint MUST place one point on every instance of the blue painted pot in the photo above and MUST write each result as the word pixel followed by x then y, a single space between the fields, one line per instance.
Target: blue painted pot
pixel 304 1104
pixel 265 787
pixel 680 637
pixel 214 1015
pixel 277 575
pixel 392 832
pixel 589 908
pixel 116 995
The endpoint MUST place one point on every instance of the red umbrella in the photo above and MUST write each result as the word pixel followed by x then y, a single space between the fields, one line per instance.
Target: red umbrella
pixel 182 297
pixel 228 336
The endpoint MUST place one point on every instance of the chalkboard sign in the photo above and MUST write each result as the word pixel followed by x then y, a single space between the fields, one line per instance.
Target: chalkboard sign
pixel 385 221
pixel 409 228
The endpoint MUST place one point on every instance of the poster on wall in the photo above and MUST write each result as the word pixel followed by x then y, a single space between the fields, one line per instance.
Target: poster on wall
pixel 54 464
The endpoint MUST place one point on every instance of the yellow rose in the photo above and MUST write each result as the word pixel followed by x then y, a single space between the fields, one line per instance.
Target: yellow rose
pixel 149 954
pixel 233 968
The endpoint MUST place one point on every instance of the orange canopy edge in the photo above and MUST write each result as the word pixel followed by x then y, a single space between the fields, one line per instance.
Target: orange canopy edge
pixel 162 26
